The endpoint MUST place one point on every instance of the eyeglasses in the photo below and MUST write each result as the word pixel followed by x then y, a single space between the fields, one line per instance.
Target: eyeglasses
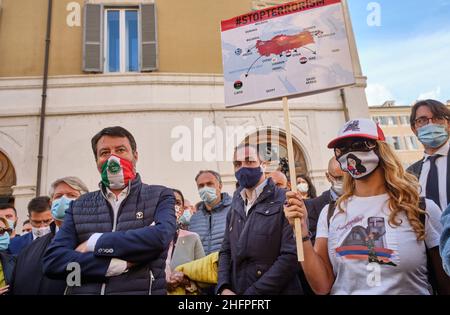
pixel 354 146
pixel 3 230
pixel 41 222
pixel 423 121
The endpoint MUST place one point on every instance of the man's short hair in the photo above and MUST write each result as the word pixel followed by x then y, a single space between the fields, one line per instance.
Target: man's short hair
pixel 25 222
pixel 437 108
pixel 116 132
pixel 39 204
pixel 214 173
pixel 249 145
pixel 5 206
pixel 72 181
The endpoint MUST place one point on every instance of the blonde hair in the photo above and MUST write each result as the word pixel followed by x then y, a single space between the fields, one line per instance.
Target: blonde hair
pixel 5 222
pixel 402 188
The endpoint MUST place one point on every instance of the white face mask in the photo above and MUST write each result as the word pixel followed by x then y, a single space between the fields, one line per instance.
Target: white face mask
pixel 338 187
pixel 303 187
pixel 359 164
pixel 39 232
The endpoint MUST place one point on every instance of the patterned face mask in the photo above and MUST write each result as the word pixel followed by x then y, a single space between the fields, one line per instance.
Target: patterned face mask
pixel 359 164
pixel 117 172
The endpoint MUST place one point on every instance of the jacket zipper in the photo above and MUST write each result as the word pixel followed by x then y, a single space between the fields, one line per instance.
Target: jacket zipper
pixel 114 219
pixel 151 283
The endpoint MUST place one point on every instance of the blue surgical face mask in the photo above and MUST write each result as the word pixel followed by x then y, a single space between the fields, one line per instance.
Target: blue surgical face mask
pixel 248 177
pixel 59 207
pixel 185 218
pixel 208 194
pixel 432 135
pixel 4 241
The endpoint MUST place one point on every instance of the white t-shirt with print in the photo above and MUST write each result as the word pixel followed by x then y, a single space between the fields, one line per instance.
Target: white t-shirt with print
pixel 371 257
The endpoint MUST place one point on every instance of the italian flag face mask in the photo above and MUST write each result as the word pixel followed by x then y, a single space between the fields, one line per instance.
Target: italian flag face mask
pixel 117 172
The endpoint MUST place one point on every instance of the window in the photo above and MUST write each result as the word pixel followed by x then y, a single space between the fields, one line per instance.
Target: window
pixel 395 142
pixel 384 120
pixel 121 40
pixel 404 120
pixel 377 119
pixel 392 120
pixel 411 143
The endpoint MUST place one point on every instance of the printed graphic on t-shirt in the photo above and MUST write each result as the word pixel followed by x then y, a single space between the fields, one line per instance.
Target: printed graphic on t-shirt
pixel 366 243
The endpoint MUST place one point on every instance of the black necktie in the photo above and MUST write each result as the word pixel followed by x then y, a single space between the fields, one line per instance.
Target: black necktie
pixel 432 181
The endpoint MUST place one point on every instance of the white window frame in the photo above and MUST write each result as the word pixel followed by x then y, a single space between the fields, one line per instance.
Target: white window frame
pixel 122 39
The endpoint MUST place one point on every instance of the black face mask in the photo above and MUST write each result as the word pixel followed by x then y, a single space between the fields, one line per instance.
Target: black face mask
pixel 248 177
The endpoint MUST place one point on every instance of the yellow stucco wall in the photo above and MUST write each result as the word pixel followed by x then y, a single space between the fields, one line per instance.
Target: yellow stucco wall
pixel 188 36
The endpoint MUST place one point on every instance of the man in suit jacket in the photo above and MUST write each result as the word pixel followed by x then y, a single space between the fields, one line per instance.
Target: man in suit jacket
pixel 40 218
pixel 430 123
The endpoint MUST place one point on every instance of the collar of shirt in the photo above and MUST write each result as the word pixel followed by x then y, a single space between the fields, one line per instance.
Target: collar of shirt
pixel 116 200
pixel 334 195
pixel 443 151
pixel 254 194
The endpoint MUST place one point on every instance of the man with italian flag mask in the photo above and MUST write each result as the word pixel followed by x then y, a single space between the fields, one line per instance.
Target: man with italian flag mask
pixel 118 235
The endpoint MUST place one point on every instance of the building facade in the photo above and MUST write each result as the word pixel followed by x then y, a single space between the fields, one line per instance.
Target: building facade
pixel 153 67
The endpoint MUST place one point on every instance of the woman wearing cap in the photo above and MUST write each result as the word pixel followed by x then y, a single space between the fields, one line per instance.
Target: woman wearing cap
pixel 373 240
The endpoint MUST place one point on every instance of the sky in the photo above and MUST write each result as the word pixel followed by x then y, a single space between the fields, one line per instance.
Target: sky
pixel 407 56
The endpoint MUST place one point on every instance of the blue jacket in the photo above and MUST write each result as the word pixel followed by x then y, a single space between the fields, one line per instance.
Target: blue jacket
pixel 20 242
pixel 134 240
pixel 258 254
pixel 445 240
pixel 210 225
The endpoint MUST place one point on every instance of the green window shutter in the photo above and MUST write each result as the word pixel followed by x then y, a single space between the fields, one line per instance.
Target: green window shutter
pixel 148 36
pixel 93 38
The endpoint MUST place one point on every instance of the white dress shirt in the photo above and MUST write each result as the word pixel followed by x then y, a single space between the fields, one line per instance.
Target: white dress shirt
pixel 117 266
pixel 248 202
pixel 441 164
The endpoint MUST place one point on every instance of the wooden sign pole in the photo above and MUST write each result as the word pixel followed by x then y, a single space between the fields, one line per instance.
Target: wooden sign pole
pixel 292 175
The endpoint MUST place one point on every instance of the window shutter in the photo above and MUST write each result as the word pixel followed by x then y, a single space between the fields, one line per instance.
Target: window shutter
pixel 93 38
pixel 149 48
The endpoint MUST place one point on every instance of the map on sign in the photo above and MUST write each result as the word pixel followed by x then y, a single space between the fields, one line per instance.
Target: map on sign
pixel 296 53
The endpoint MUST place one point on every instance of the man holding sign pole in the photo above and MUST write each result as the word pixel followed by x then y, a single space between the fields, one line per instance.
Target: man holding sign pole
pixel 258 254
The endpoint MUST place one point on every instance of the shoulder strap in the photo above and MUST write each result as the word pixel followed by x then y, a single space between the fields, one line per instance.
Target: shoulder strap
pixel 331 209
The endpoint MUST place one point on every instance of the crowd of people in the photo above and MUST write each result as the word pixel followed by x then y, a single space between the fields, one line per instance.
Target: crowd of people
pixel 379 229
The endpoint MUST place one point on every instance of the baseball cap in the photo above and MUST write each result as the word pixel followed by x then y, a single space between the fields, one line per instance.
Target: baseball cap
pixel 359 128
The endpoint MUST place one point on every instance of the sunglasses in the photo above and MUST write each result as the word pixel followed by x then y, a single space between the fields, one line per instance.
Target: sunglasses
pixel 354 146
pixel 3 230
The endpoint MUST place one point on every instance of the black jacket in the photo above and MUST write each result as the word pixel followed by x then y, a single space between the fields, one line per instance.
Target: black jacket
pixel 29 278
pixel 258 254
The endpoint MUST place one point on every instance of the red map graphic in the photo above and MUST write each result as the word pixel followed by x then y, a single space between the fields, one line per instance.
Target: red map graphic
pixel 281 43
